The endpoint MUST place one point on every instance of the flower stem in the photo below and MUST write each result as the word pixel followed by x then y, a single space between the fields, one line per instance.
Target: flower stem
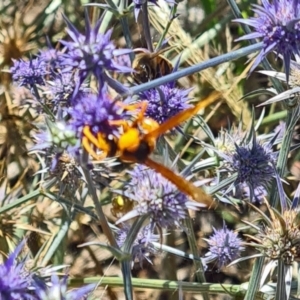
pixel 36 94
pixel 125 26
pixel 146 26
pixel 102 219
pixel 172 17
pixel 193 245
pixel 291 121
pixel 126 31
pixel 254 282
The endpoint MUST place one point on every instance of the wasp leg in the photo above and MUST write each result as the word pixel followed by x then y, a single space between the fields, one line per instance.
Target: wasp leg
pixel 100 143
pixel 122 123
pixel 87 146
pixel 143 106
pixel 132 106
pixel 140 105
pixel 140 116
pixel 90 137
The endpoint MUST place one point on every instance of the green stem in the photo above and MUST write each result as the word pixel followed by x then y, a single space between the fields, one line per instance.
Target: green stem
pixel 126 31
pixel 172 17
pixel 164 285
pixel 124 23
pixel 102 219
pixel 35 92
pixel 57 247
pixel 291 120
pixel 255 279
pixel 127 284
pixel 193 245
pixel 281 285
pixel 107 17
pixel 146 26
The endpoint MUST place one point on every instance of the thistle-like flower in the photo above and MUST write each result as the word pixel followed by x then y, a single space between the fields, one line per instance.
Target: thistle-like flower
pixel 254 165
pixel 54 60
pixel 93 111
pixel 91 53
pixel 251 159
pixel 156 197
pixel 142 247
pixel 277 24
pixel 224 246
pixel 61 89
pixel 227 140
pixel 279 240
pixel 15 282
pixel 282 242
pixel 165 101
pixel 29 73
pixel 57 289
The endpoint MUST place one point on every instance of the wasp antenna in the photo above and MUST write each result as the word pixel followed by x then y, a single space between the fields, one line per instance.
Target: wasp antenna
pixel 141 50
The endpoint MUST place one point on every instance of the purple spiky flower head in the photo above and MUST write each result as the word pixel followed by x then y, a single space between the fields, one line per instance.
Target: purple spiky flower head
pixel 54 60
pixel 94 111
pixel 29 73
pixel 224 246
pixel 165 101
pixel 278 25
pixel 246 163
pixel 57 289
pixel 156 197
pixel 142 247
pixel 61 89
pixel 254 164
pixel 91 52
pixel 15 281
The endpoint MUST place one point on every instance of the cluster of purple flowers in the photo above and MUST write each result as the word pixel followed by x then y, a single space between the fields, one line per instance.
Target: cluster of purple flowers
pixel 142 247
pixel 250 158
pixel 277 24
pixel 29 73
pixel 16 282
pixel 65 75
pixel 254 164
pixel 165 101
pixel 224 246
pixel 156 197
pixel 75 107
pixel 78 109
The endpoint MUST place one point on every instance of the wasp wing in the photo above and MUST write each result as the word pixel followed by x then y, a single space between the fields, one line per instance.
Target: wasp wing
pixel 182 184
pixel 181 117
